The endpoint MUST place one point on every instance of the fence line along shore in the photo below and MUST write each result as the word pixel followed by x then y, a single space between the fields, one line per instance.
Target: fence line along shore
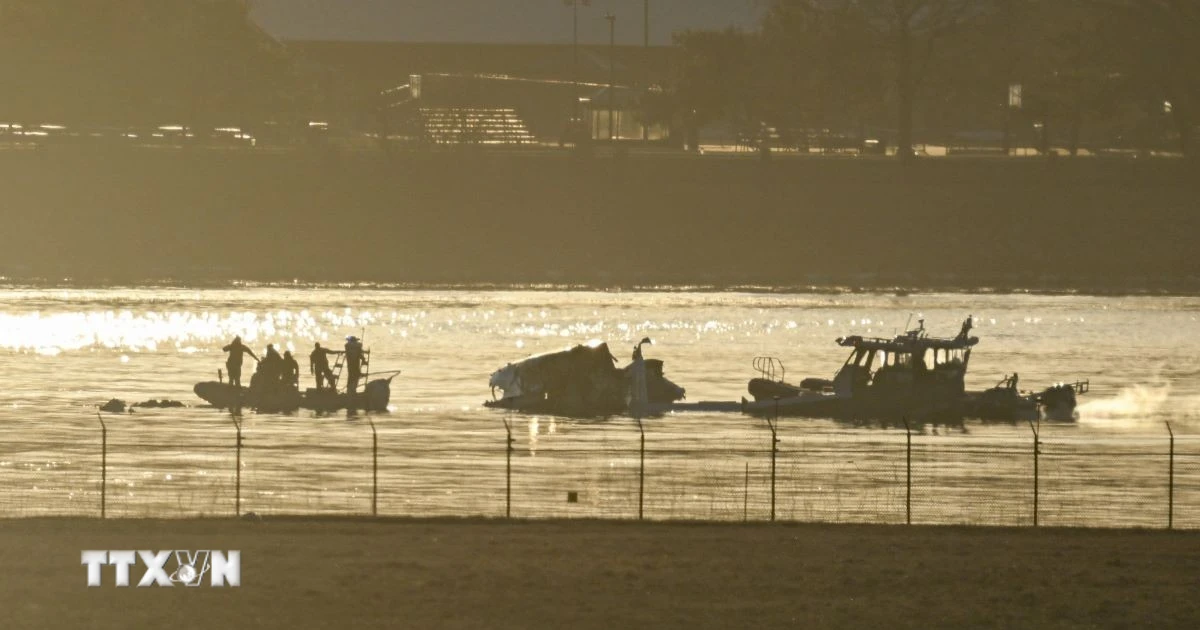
pixel 755 471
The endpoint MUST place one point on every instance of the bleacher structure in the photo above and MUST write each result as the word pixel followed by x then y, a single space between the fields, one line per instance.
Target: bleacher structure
pixel 473 125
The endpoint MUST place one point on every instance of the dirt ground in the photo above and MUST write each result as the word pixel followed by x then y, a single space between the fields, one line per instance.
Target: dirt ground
pixel 322 573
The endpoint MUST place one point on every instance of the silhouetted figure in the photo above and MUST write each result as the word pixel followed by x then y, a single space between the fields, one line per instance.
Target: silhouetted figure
pixel 233 364
pixel 354 363
pixel 638 393
pixel 966 328
pixel 270 369
pixel 291 371
pixel 318 364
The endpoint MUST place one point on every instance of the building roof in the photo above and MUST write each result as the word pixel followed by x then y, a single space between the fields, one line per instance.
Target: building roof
pixel 376 66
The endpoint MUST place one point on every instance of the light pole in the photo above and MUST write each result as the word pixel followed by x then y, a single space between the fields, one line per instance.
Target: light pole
pixel 646 46
pixel 612 74
pixel 646 22
pixel 574 4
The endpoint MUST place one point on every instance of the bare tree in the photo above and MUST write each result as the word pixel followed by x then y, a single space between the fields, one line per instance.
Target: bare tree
pixel 1167 34
pixel 907 30
pixel 911 28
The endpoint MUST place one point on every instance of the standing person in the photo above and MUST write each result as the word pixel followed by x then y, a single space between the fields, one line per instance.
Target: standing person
pixel 354 362
pixel 318 364
pixel 638 395
pixel 291 371
pixel 270 369
pixel 233 364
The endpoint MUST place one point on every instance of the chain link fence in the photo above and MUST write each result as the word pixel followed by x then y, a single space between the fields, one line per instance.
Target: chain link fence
pixel 741 469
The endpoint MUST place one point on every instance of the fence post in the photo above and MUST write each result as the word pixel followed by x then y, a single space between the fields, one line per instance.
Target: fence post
pixel 908 473
pixel 508 471
pixel 237 500
pixel 774 449
pixel 746 496
pixel 1035 430
pixel 374 469
pixel 641 467
pixel 1171 481
pixel 103 465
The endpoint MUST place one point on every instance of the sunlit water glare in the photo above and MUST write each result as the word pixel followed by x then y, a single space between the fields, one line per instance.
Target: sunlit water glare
pixel 63 352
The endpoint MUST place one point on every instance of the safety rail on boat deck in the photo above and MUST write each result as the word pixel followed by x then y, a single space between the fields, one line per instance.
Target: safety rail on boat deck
pixel 768 366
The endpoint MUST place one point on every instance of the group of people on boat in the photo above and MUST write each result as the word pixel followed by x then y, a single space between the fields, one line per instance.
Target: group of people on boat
pixel 276 372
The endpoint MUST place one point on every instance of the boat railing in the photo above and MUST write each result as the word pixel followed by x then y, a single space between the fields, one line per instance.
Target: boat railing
pixel 768 367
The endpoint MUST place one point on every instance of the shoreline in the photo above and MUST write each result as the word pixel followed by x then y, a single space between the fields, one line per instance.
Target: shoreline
pixel 467 218
pixel 1188 289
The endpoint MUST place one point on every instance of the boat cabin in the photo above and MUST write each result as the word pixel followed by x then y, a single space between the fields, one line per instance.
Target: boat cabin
pixel 908 363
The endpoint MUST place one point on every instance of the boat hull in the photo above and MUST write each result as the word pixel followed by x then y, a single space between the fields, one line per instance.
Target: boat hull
pixel 374 397
pixel 990 405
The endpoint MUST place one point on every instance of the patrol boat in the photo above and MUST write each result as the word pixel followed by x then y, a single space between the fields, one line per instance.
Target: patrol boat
pixel 912 375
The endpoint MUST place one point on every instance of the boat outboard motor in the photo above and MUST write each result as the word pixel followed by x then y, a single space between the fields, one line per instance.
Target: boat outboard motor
pixel 1058 402
pixel 377 393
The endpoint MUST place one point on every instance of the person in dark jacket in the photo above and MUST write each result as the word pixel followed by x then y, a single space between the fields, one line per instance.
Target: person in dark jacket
pixel 354 363
pixel 318 364
pixel 233 364
pixel 270 370
pixel 291 371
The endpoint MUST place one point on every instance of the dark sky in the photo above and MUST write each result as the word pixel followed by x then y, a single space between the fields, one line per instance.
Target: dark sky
pixel 532 21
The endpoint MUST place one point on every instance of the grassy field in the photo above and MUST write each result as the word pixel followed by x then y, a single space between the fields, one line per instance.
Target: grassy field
pixel 545 217
pixel 305 573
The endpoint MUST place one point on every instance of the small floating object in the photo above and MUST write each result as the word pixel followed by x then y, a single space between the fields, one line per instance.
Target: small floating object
pixel 160 404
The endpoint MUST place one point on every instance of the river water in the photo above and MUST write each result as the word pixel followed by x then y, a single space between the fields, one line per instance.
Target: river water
pixel 63 351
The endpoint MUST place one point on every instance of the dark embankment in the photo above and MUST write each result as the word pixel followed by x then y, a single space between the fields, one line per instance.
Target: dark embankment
pixel 547 217
pixel 315 573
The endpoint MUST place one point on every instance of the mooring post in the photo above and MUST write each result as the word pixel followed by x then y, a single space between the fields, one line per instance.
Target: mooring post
pixel 103 465
pixel 641 467
pixel 1034 428
pixel 237 499
pixel 508 471
pixel 1171 480
pixel 374 468
pixel 908 473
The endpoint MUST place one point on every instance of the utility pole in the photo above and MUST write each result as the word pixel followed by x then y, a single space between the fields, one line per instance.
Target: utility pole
pixel 574 4
pixel 612 75
pixel 646 49
pixel 646 22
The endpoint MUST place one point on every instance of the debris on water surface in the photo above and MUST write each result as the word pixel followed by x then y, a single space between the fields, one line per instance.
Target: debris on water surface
pixel 160 404
pixel 113 406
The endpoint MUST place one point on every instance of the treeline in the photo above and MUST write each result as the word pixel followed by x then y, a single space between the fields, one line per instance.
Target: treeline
pixel 1114 73
pixel 115 62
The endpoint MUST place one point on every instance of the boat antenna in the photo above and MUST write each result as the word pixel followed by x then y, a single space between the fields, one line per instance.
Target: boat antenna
pixel 910 316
